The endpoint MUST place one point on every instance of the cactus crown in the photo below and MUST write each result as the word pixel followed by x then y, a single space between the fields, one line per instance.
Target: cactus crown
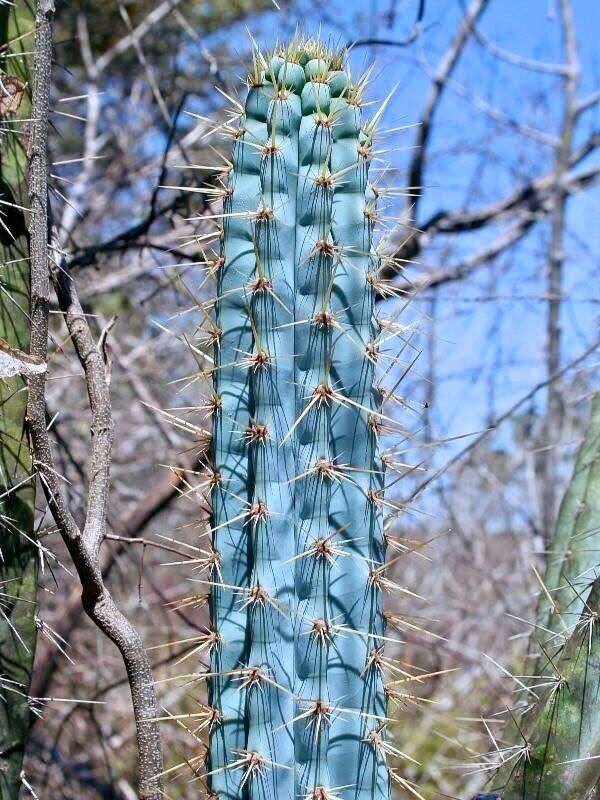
pixel 297 664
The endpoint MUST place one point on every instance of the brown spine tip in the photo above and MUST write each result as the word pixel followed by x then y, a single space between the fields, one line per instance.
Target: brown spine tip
pixel 256 433
pixel 321 630
pixel 258 512
pixel 323 319
pixel 261 284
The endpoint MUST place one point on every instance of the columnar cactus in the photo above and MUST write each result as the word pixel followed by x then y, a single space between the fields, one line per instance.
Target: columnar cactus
pixel 556 743
pixel 298 549
pixel 18 551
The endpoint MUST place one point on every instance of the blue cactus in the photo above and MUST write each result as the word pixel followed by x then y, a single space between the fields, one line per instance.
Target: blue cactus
pixel 297 625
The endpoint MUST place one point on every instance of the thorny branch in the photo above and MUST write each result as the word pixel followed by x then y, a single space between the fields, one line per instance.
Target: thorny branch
pixel 83 545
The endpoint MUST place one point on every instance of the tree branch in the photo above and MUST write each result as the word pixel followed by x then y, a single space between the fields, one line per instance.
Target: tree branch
pixel 129 525
pixel 554 273
pixel 137 34
pixel 83 545
pixel 501 419
pixel 535 199
pixel 444 70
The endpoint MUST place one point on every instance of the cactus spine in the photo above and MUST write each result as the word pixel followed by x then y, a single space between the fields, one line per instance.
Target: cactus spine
pixel 18 555
pixel 297 532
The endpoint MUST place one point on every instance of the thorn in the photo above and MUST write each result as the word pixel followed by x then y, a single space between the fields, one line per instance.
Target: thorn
pixel 321 630
pixel 256 433
pixel 258 512
pixel 264 213
pixel 323 319
pixel 376 739
pixel 259 360
pixel 321 793
pixel 325 247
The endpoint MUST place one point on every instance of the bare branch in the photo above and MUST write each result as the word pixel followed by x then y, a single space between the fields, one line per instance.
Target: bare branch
pixel 83 546
pixel 137 34
pixel 517 60
pixel 532 202
pixel 443 72
pixel 481 258
pixel 503 417
pixel 129 525
pixel 375 42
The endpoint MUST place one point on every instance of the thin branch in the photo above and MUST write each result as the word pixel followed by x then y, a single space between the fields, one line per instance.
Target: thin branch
pixel 131 235
pixel 443 72
pixel 130 524
pixel 554 274
pixel 502 418
pixel 412 36
pixel 137 34
pixel 517 60
pixel 535 198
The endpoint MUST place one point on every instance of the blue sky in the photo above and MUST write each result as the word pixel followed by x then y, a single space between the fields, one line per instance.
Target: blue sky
pixel 488 353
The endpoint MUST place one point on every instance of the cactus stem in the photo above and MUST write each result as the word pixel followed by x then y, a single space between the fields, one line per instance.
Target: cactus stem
pixel 298 223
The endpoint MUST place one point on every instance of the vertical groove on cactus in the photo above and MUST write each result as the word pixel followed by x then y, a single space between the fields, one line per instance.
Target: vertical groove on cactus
pixel 356 592
pixel 297 611
pixel 270 703
pixel 314 260
pixel 231 492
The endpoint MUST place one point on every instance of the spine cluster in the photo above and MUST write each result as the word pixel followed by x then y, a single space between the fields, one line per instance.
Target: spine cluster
pixel 297 627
